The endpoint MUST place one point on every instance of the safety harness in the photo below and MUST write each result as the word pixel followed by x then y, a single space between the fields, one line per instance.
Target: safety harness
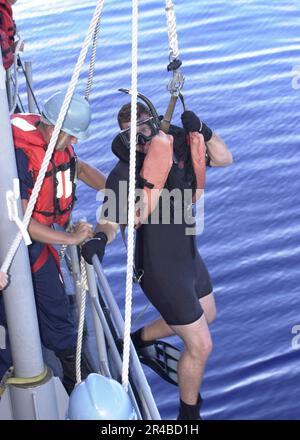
pixel 57 195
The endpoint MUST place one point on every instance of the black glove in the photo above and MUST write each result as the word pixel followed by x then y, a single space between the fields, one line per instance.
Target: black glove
pixel 191 122
pixel 94 246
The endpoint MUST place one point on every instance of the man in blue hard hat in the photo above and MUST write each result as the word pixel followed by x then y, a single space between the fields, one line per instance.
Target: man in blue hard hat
pixel 31 135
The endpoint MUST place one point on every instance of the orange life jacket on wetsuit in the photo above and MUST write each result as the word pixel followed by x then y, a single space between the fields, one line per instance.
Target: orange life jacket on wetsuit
pixel 7 32
pixel 158 165
pixel 57 194
pixel 175 161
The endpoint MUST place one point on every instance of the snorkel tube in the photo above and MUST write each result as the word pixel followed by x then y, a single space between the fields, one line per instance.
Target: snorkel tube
pixel 163 124
pixel 149 104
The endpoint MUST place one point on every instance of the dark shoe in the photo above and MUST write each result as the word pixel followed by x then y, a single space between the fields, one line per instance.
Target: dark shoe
pixel 190 412
pixel 68 363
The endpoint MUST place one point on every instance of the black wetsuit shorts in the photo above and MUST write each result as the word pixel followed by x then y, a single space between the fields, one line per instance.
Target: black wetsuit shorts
pixel 175 276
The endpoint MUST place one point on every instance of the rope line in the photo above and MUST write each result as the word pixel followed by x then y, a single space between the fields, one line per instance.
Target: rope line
pixel 131 198
pixel 172 32
pixel 92 62
pixel 84 288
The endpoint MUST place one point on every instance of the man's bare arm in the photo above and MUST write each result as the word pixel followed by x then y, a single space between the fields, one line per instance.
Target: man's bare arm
pixel 90 175
pixel 45 234
pixel 220 155
pixel 109 228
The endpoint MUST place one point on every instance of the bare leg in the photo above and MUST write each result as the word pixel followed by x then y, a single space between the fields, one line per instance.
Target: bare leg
pixel 209 307
pixel 156 330
pixel 160 329
pixel 198 345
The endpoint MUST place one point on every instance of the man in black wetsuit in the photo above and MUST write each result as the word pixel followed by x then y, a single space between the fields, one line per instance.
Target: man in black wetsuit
pixel 175 278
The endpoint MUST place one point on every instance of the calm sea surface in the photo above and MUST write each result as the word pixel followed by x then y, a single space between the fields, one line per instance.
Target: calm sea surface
pixel 237 58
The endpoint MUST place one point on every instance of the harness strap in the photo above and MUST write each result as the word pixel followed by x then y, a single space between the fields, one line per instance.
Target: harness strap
pixel 43 257
pixel 165 123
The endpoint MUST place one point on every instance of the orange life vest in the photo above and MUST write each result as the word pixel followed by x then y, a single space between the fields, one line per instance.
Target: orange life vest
pixel 57 194
pixel 198 149
pixel 7 32
pixel 157 166
pixel 154 173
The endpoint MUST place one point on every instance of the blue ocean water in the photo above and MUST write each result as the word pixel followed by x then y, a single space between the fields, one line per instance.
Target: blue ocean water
pixel 238 57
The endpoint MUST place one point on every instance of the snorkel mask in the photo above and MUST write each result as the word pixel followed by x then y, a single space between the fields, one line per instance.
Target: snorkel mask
pixel 146 129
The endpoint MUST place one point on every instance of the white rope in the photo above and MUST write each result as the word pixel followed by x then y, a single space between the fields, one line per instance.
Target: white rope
pixel 92 62
pixel 14 247
pixel 172 32
pixel 131 200
pixel 84 288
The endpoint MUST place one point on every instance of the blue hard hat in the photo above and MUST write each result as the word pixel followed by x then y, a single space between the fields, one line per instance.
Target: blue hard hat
pixel 78 116
pixel 100 398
